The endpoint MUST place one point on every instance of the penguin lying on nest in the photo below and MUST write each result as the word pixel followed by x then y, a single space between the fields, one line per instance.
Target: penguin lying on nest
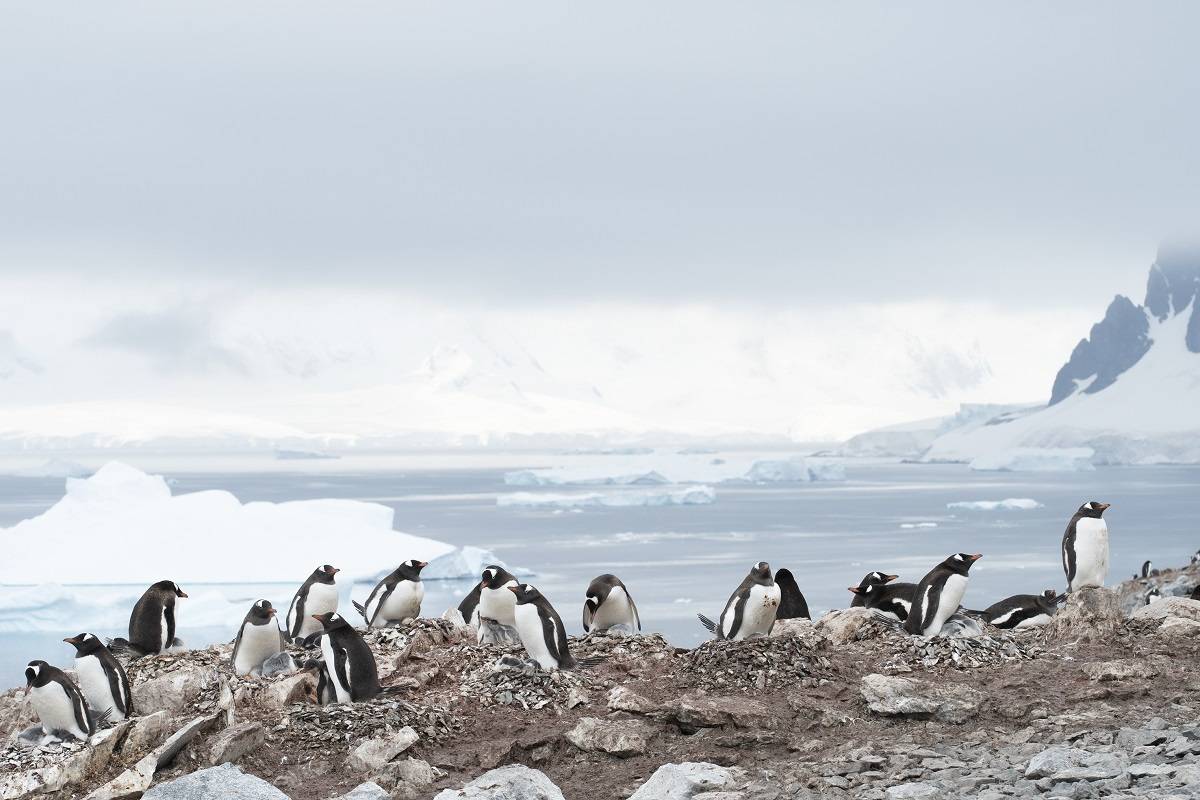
pixel 1022 610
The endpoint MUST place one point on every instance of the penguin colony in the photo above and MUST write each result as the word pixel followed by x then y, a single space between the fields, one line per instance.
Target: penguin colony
pixel 505 610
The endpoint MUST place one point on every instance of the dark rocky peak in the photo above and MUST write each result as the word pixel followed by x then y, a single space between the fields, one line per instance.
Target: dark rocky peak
pixel 1174 287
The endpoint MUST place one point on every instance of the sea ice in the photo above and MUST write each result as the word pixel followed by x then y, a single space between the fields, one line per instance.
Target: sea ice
pixel 529 477
pixel 793 470
pixel 688 495
pixel 1036 459
pixel 1008 504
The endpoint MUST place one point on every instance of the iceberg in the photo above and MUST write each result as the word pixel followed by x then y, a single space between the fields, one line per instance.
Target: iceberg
pixel 124 526
pixel 1008 504
pixel 529 477
pixel 54 468
pixel 464 562
pixel 792 470
pixel 1036 459
pixel 686 496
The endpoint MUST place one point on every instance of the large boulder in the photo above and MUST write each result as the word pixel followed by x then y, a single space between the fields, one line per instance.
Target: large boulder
pixel 216 783
pixel 687 780
pixel 1088 614
pixel 1170 607
pixel 513 782
pixel 374 754
pixel 845 625
pixel 622 698
pixel 903 697
pixel 16 713
pixel 175 691
pixel 233 743
pixel 617 737
pixel 699 710
pixel 1118 670
pixel 366 791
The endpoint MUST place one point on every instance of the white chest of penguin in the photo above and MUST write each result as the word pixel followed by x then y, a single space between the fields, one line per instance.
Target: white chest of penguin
pixel 1091 552
pixel 403 603
pixel 55 709
pixel 259 642
pixel 529 625
pixel 93 682
pixel 951 597
pixel 342 692
pixel 498 604
pixel 758 616
pixel 322 599
pixel 615 610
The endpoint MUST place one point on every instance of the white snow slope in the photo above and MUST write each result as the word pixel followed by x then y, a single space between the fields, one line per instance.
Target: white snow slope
pixel 1149 415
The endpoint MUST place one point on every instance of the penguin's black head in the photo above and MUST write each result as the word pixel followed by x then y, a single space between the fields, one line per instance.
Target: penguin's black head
pixel 494 577
pixel 961 562
pixel 331 620
pixel 325 573
pixel 874 579
pixel 262 611
pixel 411 569
pixel 170 587
pixel 1093 509
pixel 761 573
pixel 84 642
pixel 526 593
pixel 37 674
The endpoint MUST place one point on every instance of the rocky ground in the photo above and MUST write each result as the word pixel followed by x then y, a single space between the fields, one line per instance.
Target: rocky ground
pixel 1104 702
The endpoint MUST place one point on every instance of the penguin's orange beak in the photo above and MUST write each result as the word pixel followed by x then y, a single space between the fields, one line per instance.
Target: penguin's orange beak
pixel 317 617
pixel 72 640
pixel 512 589
pixel 976 557
pixel 889 578
pixel 854 589
pixel 422 564
pixel 182 593
pixel 1105 506
pixel 270 612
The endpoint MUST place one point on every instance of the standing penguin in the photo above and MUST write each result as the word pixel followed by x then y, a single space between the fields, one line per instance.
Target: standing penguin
pixel 258 639
pixel 491 606
pixel 58 702
pixel 1023 610
pixel 152 623
pixel 542 632
pixel 1085 547
pixel 102 679
pixel 317 595
pixel 751 609
pixel 608 605
pixel 395 598
pixel 349 664
pixel 792 604
pixel 939 595
pixel 1148 571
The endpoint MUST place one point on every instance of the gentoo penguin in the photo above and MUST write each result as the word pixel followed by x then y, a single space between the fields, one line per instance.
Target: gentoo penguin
pixel 395 598
pixel 152 623
pixel 609 604
pixel 792 604
pixel 102 679
pixel 317 595
pixel 750 610
pixel 1153 596
pixel 1196 558
pixel 542 632
pixel 58 702
pixel 349 663
pixel 1085 547
pixel 888 598
pixel 258 639
pixel 1023 610
pixel 1195 595
pixel 494 604
pixel 870 579
pixel 1148 571
pixel 939 594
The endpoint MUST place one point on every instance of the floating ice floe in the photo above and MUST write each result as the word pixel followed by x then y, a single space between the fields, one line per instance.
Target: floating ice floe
pixel 684 496
pixel 529 477
pixel 464 562
pixel 54 468
pixel 1036 459
pixel 910 525
pixel 1008 504
pixel 793 470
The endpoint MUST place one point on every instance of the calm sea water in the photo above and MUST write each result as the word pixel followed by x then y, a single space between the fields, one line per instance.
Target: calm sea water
pixel 680 560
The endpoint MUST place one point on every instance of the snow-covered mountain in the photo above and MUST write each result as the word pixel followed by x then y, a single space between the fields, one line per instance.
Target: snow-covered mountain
pixel 1130 391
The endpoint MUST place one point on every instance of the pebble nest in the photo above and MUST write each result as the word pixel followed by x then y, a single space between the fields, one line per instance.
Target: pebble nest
pixel 992 648
pixel 505 683
pixel 314 727
pixel 18 757
pixel 753 663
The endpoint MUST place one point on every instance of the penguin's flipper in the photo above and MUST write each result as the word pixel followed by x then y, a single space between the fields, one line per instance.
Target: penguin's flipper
pixel 99 720
pixel 310 641
pixel 470 603
pixel 707 623
pixel 126 648
pixel 970 612
pixel 792 604
pixel 637 617
pixel 340 659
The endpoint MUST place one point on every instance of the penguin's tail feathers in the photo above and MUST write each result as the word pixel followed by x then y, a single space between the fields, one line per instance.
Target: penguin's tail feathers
pixel 310 641
pixel 123 647
pixel 886 619
pixel 1060 599
pixel 386 690
pixel 970 612
pixel 99 720
pixel 361 609
pixel 707 623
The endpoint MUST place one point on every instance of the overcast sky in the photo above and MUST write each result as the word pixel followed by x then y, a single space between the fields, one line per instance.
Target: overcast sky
pixel 769 156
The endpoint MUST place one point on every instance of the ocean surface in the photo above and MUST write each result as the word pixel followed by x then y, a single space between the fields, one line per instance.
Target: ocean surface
pixel 681 560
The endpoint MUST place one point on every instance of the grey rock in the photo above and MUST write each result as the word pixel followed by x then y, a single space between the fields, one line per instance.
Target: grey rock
pixel 622 698
pixel 409 775
pixel 620 738
pixel 147 732
pixel 366 791
pixel 235 742
pixel 895 696
pixel 1089 614
pixel 1054 760
pixel 374 754
pixel 216 783
pixel 845 625
pixel 1178 607
pixel 700 710
pixel 291 689
pixel 513 782
pixel 1118 670
pixel 1179 626
pixel 914 791
pixel 175 691
pixel 686 781
pixel 1116 343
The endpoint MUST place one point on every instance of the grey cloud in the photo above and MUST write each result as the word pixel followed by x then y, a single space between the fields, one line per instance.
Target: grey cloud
pixel 784 152
pixel 175 340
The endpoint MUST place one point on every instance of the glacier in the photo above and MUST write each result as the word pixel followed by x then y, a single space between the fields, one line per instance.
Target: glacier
pixel 1036 459
pixel 660 468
